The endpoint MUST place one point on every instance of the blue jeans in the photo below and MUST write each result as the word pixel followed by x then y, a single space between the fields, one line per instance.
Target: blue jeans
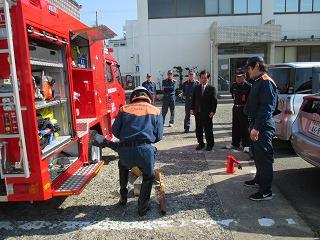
pixel 168 102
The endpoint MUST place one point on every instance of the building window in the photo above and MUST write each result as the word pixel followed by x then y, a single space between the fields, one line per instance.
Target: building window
pixel 189 8
pixel 316 5
pixel 211 7
pixel 292 5
pixel 308 54
pixel 290 54
pixel 279 6
pixel 254 6
pixel 201 8
pixel 240 6
pixel 295 6
pixel 299 54
pixel 315 54
pixel 306 5
pixel 225 6
pixel 279 55
pixel 161 9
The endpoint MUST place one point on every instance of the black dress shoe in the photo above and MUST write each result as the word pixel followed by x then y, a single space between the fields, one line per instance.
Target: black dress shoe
pixel 186 130
pixel 199 147
pixel 209 148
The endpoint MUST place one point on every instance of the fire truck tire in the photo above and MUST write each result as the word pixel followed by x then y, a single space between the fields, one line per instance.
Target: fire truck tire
pixel 94 152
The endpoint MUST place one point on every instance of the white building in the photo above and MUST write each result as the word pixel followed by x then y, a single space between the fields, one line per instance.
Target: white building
pixel 219 35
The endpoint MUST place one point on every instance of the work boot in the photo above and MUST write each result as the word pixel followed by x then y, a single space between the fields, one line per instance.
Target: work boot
pixel 144 197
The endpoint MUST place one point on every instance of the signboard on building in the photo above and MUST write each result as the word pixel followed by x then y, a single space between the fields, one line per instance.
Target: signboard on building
pixel 246 34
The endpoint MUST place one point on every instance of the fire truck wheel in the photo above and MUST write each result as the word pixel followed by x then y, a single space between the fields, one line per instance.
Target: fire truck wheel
pixel 94 152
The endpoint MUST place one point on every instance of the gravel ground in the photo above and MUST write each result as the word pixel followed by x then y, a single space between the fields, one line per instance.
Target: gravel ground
pixel 193 207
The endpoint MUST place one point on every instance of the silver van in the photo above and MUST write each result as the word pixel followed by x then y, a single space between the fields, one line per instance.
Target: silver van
pixel 294 81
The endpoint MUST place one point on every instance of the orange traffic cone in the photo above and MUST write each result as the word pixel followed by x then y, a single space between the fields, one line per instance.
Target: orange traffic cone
pixel 231 160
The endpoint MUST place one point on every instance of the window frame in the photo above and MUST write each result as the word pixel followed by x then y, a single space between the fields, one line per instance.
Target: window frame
pixel 209 15
pixel 299 9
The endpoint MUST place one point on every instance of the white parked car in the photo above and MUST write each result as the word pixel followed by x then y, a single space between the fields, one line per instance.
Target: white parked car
pixel 294 81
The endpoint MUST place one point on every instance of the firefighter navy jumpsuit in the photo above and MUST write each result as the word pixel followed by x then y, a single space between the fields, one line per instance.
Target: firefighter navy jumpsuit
pixel 240 125
pixel 259 109
pixel 137 126
pixel 187 89
pixel 169 99
pixel 151 87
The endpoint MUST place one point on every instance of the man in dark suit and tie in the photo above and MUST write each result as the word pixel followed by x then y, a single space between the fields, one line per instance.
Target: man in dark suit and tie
pixel 203 107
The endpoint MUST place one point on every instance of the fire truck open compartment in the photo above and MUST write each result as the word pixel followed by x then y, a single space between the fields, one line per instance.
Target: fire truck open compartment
pixel 52 103
pixel 80 51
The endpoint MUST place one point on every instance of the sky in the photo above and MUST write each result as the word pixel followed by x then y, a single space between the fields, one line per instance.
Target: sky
pixel 112 13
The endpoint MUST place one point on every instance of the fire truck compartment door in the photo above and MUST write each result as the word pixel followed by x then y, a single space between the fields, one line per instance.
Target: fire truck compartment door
pixel 94 34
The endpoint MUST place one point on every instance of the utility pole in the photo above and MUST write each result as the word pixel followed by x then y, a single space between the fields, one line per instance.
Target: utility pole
pixel 96 18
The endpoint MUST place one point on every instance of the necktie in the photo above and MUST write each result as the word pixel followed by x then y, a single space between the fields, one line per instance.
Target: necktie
pixel 202 90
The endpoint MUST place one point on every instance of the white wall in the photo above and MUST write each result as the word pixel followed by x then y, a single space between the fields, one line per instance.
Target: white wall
pixel 128 55
pixel 299 25
pixel 185 42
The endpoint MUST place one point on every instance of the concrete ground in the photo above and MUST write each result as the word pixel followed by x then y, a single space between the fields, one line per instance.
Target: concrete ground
pixel 202 200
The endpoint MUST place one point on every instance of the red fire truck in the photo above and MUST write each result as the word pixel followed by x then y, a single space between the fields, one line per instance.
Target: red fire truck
pixel 58 87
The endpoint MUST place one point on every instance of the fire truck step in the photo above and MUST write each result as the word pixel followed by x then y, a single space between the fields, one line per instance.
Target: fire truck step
pixel 76 182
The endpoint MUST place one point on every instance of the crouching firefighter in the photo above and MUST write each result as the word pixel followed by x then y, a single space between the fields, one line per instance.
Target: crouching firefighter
pixel 137 126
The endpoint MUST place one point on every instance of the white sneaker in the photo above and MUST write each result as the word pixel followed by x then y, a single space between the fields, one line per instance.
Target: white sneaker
pixel 230 146
pixel 246 149
pixel 170 124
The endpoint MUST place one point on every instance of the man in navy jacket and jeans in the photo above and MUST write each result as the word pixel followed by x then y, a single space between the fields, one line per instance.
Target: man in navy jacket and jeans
pixel 259 108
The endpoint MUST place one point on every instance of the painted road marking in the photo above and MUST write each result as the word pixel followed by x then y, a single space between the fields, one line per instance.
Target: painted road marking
pixel 121 225
pixel 290 221
pixel 266 222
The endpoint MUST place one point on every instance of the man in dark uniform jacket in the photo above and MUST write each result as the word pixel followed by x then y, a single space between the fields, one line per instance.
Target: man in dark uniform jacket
pixel 169 97
pixel 187 88
pixel 203 106
pixel 137 126
pixel 240 91
pixel 151 87
pixel 260 107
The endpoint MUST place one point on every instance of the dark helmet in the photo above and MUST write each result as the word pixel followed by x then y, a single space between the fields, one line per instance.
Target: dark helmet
pixel 140 93
pixel 240 71
pixel 254 60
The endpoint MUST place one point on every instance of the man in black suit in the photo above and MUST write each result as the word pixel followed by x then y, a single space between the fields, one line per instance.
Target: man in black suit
pixel 203 107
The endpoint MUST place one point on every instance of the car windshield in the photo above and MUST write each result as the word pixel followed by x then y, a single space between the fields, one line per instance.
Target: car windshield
pixel 281 76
